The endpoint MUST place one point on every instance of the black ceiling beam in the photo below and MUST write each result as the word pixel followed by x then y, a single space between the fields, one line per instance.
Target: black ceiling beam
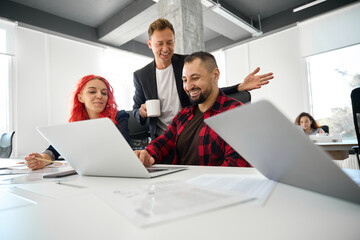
pixel 49 23
pixel 235 12
pixel 288 17
pixel 137 47
pixel 218 43
pixel 130 11
pixel 33 17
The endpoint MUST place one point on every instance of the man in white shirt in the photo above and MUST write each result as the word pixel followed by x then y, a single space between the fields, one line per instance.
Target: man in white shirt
pixel 162 79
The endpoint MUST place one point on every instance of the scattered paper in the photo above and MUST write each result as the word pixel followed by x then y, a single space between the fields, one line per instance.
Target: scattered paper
pixel 163 201
pixel 22 175
pixel 256 186
pixel 6 162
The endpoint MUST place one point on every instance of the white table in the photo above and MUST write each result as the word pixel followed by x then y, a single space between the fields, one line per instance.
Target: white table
pixel 339 150
pixel 289 213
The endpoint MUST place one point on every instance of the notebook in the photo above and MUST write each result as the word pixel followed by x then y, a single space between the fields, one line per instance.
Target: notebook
pixel 97 148
pixel 261 134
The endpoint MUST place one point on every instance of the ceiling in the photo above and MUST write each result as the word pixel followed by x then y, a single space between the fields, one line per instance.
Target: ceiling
pixel 123 23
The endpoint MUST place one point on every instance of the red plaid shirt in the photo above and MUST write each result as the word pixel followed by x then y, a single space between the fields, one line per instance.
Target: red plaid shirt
pixel 213 150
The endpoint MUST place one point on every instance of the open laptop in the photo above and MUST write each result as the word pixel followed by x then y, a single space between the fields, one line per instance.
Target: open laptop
pixel 97 148
pixel 273 145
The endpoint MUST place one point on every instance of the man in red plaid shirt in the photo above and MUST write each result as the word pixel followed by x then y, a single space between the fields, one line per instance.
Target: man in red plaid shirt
pixel 188 140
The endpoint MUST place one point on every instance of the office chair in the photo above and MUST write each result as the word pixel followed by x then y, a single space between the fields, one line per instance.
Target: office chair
pixel 6 144
pixel 325 128
pixel 243 96
pixel 355 102
pixel 139 134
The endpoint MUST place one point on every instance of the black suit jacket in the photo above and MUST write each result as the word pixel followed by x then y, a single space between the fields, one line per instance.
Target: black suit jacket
pixel 146 88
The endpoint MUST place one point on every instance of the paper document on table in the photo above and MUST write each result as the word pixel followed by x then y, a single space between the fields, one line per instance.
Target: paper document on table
pixel 13 167
pixel 23 169
pixel 6 162
pixel 163 201
pixel 56 190
pixel 257 186
pixel 26 175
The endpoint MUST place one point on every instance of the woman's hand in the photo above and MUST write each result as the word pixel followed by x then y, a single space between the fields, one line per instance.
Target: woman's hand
pixel 34 164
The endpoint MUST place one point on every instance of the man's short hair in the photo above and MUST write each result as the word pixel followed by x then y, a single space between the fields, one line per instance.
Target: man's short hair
pixel 207 59
pixel 160 24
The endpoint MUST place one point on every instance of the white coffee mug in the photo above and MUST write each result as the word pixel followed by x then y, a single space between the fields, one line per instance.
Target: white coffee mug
pixel 153 108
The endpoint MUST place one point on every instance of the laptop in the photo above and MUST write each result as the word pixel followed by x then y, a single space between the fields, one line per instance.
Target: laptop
pixel 272 144
pixel 97 148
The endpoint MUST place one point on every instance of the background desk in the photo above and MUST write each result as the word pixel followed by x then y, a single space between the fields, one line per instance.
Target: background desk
pixel 339 150
pixel 289 213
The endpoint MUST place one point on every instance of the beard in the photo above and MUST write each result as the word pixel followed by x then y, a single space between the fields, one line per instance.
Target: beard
pixel 199 100
pixel 202 98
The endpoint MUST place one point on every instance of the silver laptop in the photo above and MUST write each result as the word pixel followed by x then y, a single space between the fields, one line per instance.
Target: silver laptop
pixel 274 146
pixel 97 148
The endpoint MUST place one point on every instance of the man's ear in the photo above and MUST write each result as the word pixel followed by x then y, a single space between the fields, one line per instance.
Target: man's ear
pixel 80 98
pixel 216 75
pixel 149 43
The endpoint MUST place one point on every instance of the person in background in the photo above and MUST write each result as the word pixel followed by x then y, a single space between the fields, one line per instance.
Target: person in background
pixel 188 140
pixel 93 98
pixel 308 123
pixel 161 79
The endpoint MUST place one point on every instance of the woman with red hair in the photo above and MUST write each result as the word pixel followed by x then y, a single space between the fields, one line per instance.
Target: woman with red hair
pixel 93 98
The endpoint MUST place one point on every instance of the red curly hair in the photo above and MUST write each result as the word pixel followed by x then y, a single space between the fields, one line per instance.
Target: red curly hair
pixel 79 113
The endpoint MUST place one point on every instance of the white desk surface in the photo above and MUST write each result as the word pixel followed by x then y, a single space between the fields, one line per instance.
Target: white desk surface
pixel 346 144
pixel 289 213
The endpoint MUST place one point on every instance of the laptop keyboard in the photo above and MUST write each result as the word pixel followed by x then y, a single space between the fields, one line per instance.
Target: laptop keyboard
pixel 151 170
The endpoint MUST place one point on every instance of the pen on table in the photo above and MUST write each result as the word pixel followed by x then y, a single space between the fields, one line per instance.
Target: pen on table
pixel 47 160
pixel 69 184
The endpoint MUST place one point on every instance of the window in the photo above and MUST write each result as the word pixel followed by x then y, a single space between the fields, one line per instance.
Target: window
pixel 7 33
pixel 332 77
pixel 4 92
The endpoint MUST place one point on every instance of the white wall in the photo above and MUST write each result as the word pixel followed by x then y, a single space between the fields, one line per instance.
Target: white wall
pixel 29 93
pixel 331 31
pixel 284 53
pixel 47 69
pixel 279 54
pixel 237 64
pixel 69 61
